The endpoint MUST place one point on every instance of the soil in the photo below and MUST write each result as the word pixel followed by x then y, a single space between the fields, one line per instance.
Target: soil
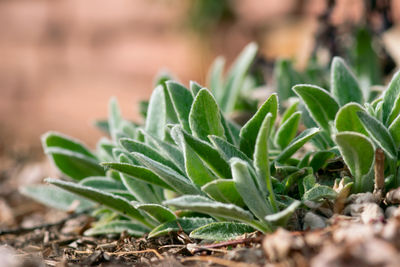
pixel 32 235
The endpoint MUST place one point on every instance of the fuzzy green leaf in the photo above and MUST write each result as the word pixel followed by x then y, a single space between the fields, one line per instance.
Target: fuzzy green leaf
pixel 54 139
pixel 245 185
pixel 156 113
pixel 319 192
pixel 204 117
pixel 394 130
pixel 208 154
pixel 185 224
pixel 344 85
pixel 102 183
pixel 226 149
pixel 75 165
pixel 347 119
pixel 211 207
pixel 379 134
pixel 320 104
pixel 236 76
pixel 249 132
pixel 175 180
pixel 357 152
pixel 116 203
pixel 281 218
pixel 160 213
pixel 117 227
pixel 137 172
pixel 261 161
pixel 223 191
pixel 195 88
pixel 296 144
pixel 221 231
pixel 55 197
pixel 142 191
pixel 389 98
pixel 135 146
pixel 215 78
pixel 288 130
pixel 182 101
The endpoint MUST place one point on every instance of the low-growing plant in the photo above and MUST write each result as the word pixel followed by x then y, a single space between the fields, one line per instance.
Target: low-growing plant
pixel 188 167
pixel 357 122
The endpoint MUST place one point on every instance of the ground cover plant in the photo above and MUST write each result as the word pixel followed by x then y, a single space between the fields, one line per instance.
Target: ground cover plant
pixel 190 168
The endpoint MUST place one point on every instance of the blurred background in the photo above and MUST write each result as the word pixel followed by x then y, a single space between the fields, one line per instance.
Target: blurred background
pixel 61 61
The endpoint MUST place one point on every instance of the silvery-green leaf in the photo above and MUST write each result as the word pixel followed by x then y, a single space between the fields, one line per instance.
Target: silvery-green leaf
pixel 182 101
pixel 235 77
pixel 204 117
pixel 309 182
pixel 261 161
pixel 156 117
pixel 138 147
pixel 175 180
pixel 389 98
pixel 245 185
pixel 195 88
pixel 395 111
pixel 231 132
pixel 185 224
pixel 344 85
pixel 168 150
pixel 102 183
pixel 208 154
pixel 116 203
pixel 379 134
pixel 394 130
pixel 226 149
pixel 215 78
pixel 54 139
pixel 117 227
pixel 221 231
pixel 160 213
pixel 320 104
pixel 248 133
pixel 55 197
pixel 73 164
pixel 290 110
pixel 103 126
pixel 142 191
pixel 347 119
pixel 223 190
pixel 114 117
pixel 138 172
pixel 319 192
pixel 358 154
pixel 320 159
pixel 211 207
pixel 296 144
pixel 287 130
pixel 281 218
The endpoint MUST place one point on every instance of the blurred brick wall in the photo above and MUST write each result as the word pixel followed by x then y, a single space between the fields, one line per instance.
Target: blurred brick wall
pixel 60 61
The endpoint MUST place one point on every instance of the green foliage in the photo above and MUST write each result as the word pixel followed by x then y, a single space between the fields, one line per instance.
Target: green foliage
pixel 189 156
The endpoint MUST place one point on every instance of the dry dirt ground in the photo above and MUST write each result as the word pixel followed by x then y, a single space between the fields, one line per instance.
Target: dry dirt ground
pixel 31 235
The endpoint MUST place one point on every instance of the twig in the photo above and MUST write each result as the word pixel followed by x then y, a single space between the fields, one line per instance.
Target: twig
pixel 22 230
pixel 219 261
pixel 379 169
pixel 123 253
pixel 233 242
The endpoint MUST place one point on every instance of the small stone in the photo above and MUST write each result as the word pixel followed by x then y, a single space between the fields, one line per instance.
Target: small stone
pixel 393 196
pixel 312 221
pixel 372 213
